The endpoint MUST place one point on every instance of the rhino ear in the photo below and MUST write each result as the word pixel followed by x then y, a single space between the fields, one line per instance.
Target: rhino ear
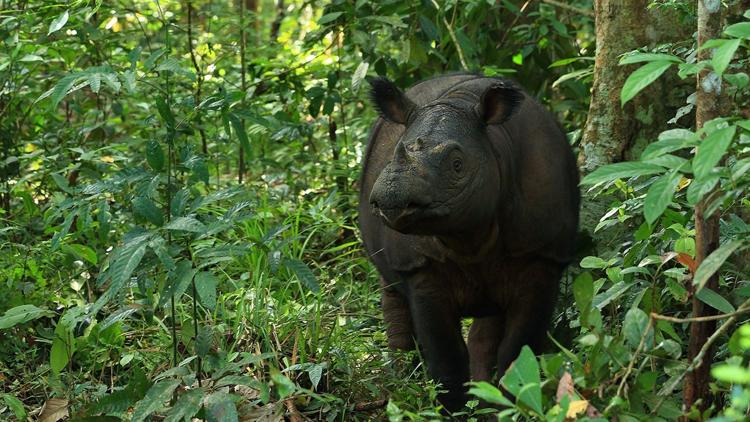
pixel 390 101
pixel 498 103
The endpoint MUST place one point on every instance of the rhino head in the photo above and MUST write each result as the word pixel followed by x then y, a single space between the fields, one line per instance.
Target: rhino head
pixel 443 177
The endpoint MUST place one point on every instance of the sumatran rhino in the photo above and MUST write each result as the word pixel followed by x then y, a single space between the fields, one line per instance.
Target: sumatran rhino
pixel 468 208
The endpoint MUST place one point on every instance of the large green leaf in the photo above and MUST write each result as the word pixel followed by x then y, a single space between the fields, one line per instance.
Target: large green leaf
pixel 220 407
pixel 738 30
pixel 522 380
pixel 155 155
pixel 659 195
pixel 186 406
pixel 157 395
pixel 58 22
pixel 723 55
pixel 634 326
pixel 178 282
pixel 22 314
pixel 205 286
pixel 188 224
pixel 303 273
pixel 642 78
pixel 648 57
pixel 621 170
pixel 713 262
pixel 711 149
pixel 714 300
pixel 489 393
pixel 146 208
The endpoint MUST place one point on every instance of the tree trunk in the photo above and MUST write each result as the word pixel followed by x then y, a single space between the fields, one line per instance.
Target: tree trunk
pixel 614 133
pixel 707 107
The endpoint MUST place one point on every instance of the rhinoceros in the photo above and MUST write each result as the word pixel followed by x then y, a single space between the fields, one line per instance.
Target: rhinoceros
pixel 469 209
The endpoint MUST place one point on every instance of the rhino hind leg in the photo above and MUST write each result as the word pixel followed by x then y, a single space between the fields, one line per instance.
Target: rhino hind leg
pixel 397 317
pixel 484 338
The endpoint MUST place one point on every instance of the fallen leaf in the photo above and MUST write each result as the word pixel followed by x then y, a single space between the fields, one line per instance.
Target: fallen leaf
pixel 565 387
pixel 54 409
pixel 576 407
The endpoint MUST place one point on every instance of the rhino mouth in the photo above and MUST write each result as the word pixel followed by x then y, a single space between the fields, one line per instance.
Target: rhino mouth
pixel 405 218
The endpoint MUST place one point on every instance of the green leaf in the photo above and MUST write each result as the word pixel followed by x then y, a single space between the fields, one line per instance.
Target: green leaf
pixel 723 55
pixel 178 282
pixel 489 393
pixel 711 149
pixel 157 395
pixel 429 28
pixel 713 262
pixel 642 78
pixel 636 322
pixel 660 195
pixel 239 130
pixel 669 141
pixel 593 262
pixel 715 300
pixel 732 374
pixel 63 231
pixel 155 155
pixel 221 408
pixel 63 346
pixel 303 273
pixel 620 171
pixel 121 400
pixel 329 17
pixel 284 385
pixel 739 79
pixel 648 57
pixel 203 341
pixel 188 224
pixel 124 261
pixel 62 88
pixel 146 209
pixel 205 286
pixel 186 406
pixel 16 406
pixel 522 380
pixel 166 113
pixel 699 187
pixel 738 30
pixel 583 292
pixel 58 23
pixel 22 314
pixel 81 251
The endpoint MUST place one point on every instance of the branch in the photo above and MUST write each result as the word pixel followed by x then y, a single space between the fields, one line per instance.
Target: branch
pixel 453 38
pixel 700 319
pixel 635 356
pixel 745 307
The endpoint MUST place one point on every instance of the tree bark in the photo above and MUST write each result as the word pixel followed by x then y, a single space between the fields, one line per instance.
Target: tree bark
pixel 708 105
pixel 614 133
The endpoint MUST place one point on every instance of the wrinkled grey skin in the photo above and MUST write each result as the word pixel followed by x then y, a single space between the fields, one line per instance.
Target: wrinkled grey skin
pixel 468 208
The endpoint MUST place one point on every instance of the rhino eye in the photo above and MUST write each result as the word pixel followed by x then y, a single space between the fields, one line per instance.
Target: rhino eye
pixel 458 165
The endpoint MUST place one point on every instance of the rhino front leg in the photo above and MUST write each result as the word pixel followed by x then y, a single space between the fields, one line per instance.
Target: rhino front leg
pixel 438 331
pixel 397 318
pixel 484 338
pixel 528 317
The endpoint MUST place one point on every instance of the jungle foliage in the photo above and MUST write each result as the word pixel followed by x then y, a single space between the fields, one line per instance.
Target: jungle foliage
pixel 178 192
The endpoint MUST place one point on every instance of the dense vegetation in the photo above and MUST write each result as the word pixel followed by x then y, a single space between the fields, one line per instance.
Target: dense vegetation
pixel 178 192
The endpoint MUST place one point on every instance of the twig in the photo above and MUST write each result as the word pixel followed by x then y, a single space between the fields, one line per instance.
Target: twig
pixel 370 405
pixel 635 356
pixel 512 25
pixel 699 357
pixel 294 415
pixel 453 38
pixel 566 6
pixel 700 319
